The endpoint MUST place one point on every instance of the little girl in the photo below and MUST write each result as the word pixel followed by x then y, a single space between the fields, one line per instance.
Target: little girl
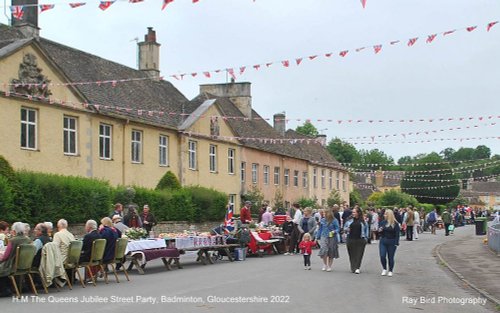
pixel 305 247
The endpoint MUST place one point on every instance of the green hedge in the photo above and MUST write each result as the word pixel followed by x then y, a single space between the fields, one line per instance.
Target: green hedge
pixel 209 204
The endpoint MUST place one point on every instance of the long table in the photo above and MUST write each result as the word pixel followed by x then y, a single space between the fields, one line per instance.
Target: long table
pixel 204 256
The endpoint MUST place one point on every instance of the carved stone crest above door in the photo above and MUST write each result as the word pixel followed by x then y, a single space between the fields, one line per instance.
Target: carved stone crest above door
pixel 31 81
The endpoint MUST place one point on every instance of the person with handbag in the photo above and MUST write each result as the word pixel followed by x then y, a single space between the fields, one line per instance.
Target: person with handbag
pixel 357 235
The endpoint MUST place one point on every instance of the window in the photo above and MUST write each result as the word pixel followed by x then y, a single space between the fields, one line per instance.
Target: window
pixel 287 177
pixel 315 178
pixel 136 146
pixel 266 174
pixel 344 182
pixel 323 179
pixel 230 160
pixel 296 178
pixel 338 181
pixel 243 172
pixel 330 180
pixel 255 173
pixel 192 154
pixel 69 135
pixel 277 175
pixel 105 150
pixel 28 128
pixel 232 201
pixel 304 179
pixel 163 150
pixel 212 157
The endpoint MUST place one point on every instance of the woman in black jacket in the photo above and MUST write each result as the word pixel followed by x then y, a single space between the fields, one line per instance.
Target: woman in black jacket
pixel 389 240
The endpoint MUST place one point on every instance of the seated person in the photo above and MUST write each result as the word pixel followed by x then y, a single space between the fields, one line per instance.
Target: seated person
pixel 63 237
pixel 41 238
pixel 91 235
pixel 111 234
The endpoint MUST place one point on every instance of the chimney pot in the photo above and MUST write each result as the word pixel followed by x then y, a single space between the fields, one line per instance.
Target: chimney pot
pixel 279 123
pixel 149 54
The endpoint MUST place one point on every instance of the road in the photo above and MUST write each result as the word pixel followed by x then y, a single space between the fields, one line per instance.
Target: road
pixel 419 283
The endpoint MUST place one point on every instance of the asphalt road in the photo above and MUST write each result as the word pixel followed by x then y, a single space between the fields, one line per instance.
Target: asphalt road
pixel 277 283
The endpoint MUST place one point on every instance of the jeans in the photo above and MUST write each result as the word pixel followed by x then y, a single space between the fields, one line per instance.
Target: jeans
pixel 409 232
pixel 387 249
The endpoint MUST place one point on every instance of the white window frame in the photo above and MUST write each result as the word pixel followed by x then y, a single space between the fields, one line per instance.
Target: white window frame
pixel 330 180
pixel 296 178
pixel 266 174
pixel 163 143
pixel 136 146
pixel 277 172
pixel 70 135
pixel 286 176
pixel 315 177
pixel 323 178
pixel 29 126
pixel 192 162
pixel 105 140
pixel 231 161
pixel 243 173
pixel 212 158
pixel 304 179
pixel 338 181
pixel 255 173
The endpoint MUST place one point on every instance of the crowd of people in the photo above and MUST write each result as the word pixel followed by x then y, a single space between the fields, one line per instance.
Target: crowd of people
pixel 110 228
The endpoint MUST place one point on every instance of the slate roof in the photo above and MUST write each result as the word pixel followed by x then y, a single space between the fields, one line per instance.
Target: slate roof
pixel 150 96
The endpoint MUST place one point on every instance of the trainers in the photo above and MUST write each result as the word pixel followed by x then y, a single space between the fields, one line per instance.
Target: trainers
pixel 384 272
pixel 286 253
pixel 323 268
pixel 309 268
pixel 389 274
pixel 329 269
pixel 357 271
pixel 305 267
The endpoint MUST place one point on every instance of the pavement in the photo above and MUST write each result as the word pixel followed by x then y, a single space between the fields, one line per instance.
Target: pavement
pixel 470 259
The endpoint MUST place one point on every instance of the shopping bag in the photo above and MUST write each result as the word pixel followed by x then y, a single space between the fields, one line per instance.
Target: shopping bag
pixel 451 227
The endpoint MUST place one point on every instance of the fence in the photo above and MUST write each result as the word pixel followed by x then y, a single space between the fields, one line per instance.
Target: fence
pixel 494 238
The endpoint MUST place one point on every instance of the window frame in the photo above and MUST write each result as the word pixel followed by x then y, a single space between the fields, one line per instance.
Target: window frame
pixel 231 161
pixel 163 150
pixel 192 155
pixel 212 158
pixel 136 146
pixel 105 139
pixel 69 132
pixel 29 127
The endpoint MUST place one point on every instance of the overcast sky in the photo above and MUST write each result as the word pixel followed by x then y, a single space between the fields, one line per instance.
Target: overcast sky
pixel 456 75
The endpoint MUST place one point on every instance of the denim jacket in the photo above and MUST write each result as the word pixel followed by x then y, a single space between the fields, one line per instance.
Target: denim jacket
pixel 325 228
pixel 364 228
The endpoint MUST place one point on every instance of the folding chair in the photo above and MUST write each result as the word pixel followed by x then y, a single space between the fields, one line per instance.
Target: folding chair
pixel 73 260
pixel 120 248
pixel 95 258
pixel 24 258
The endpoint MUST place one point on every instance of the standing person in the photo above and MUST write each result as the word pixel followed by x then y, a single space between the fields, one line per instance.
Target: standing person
pixel 374 225
pixel 409 220
pixel 132 219
pixel 245 215
pixel 262 210
pixel 63 237
pixel 446 216
pixel 306 246
pixel 432 220
pixel 267 217
pixel 307 223
pixel 118 210
pixel 287 228
pixel 295 237
pixel 416 224
pixel 148 219
pixel 327 235
pixel 389 240
pixel 357 235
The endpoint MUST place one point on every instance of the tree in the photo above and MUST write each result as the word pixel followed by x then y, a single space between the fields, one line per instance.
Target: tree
pixel 431 181
pixel 396 198
pixel 256 196
pixel 463 154
pixel 307 129
pixel 481 152
pixel 375 198
pixel 372 159
pixel 355 198
pixel 343 152
pixel 278 199
pixel 333 198
pixel 447 153
pixel 308 202
pixel 169 182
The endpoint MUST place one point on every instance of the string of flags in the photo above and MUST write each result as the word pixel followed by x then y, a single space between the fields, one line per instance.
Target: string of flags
pixel 160 113
pixel 425 164
pixel 18 11
pixel 430 180
pixel 404 175
pixel 414 188
pixel 460 139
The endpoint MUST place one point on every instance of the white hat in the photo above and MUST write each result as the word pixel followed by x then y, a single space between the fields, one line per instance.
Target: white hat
pixel 116 217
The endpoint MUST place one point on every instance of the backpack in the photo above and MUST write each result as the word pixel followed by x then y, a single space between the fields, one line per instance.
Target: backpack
pixel 432 217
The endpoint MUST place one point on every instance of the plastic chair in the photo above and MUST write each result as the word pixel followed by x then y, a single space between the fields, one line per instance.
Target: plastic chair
pixel 22 266
pixel 120 248
pixel 72 261
pixel 95 258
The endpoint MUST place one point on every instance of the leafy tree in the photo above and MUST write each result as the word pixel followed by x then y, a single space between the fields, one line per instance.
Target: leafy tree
pixel 355 198
pixel 256 196
pixel 463 154
pixel 447 154
pixel 169 182
pixel 397 198
pixel 308 202
pixel 307 129
pixel 481 152
pixel 343 152
pixel 375 198
pixel 333 198
pixel 278 199
pixel 431 181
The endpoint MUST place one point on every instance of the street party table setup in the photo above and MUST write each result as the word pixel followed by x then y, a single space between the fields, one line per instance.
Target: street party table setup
pixel 139 252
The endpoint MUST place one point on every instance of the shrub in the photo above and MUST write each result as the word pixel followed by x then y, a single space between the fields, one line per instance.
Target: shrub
pixel 333 198
pixel 169 182
pixel 397 198
pixel 308 202
pixel 6 200
pixel 209 204
pixel 355 198
pixel 6 170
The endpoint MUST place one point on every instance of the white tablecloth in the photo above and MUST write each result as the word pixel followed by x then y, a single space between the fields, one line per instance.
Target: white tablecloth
pixel 137 245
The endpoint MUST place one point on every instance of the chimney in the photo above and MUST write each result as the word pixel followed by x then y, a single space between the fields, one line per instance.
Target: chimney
pixel 279 123
pixel 149 54
pixel 379 178
pixel 321 139
pixel 28 24
pixel 239 93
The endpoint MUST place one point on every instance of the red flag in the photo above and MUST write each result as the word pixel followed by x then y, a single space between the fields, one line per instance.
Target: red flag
pixel 135 1
pixel 328 54
pixel 45 7
pixel 412 41
pixel 430 38
pixel 194 1
pixel 77 4
pixel 230 71
pixel 256 67
pixel 377 48
pixel 343 53
pixel 448 32
pixel 285 63
pixel 207 74
pixel 490 25
pixel 312 57
pixel 105 5
pixel 269 64
pixel 471 28
pixel 194 74
pixel 363 3
pixel 298 61
pixel 242 69
pixel 17 11
pixel 165 3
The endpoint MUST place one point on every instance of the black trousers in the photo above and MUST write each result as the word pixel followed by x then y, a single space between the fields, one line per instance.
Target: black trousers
pixel 355 249
pixel 307 260
pixel 409 232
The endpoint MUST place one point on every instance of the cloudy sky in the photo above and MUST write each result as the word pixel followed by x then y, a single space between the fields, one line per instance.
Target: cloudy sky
pixel 457 75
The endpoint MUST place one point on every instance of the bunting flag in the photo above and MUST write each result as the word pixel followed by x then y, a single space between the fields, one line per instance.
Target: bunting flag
pixel 285 63
pixel 395 42
pixel 46 7
pixel 242 69
pixel 490 25
pixel 105 5
pixel 343 53
pixel 77 4
pixel 449 32
pixel 363 3
pixel 377 48
pixel 228 219
pixel 165 3
pixel 135 1
pixel 207 74
pixel 298 61
pixel 471 28
pixel 17 11
pixel 256 67
pixel 412 41
pixel 230 71
pixel 430 38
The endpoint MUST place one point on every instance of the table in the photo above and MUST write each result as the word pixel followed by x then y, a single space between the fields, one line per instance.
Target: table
pixel 263 241
pixel 139 252
pixel 204 255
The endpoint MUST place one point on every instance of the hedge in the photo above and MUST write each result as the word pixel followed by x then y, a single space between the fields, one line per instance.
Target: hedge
pixel 210 204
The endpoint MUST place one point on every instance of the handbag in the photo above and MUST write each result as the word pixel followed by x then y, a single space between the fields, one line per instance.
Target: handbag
pixel 451 227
